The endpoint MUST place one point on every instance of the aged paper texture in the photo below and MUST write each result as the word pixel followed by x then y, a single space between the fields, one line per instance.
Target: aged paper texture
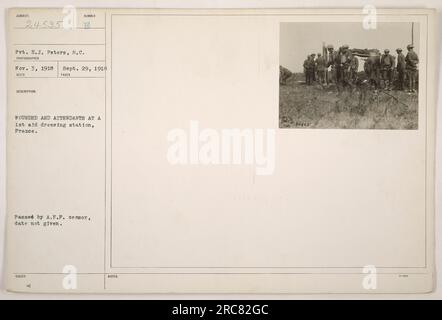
pixel 220 151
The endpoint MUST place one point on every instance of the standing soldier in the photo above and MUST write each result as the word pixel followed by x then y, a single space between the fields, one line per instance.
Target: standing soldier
pixel 335 62
pixel 331 62
pixel 313 66
pixel 372 68
pixel 306 67
pixel 354 66
pixel 320 66
pixel 309 67
pixel 346 59
pixel 338 66
pixel 411 61
pixel 387 67
pixel 400 69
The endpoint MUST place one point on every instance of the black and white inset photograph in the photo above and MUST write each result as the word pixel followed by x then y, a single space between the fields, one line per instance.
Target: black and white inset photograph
pixel 340 75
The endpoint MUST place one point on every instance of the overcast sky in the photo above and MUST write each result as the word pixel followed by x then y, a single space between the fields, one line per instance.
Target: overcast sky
pixel 297 40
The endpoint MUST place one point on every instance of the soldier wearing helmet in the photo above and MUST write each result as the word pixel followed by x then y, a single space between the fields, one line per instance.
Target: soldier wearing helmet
pixel 306 66
pixel 387 67
pixel 400 69
pixel 354 66
pixel 320 67
pixel 411 61
pixel 346 65
pixel 332 62
pixel 313 66
pixel 372 67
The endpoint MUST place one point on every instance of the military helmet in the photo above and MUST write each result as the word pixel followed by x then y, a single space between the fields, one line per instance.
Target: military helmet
pixel 399 50
pixel 330 46
pixel 386 50
pixel 345 46
pixel 410 46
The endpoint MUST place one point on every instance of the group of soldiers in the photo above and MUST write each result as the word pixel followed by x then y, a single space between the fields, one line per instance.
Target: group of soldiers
pixel 381 70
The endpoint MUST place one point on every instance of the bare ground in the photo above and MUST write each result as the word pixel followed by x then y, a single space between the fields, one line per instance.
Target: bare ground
pixel 302 106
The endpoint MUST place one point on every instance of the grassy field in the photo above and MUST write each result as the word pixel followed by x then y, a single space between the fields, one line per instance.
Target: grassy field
pixel 302 106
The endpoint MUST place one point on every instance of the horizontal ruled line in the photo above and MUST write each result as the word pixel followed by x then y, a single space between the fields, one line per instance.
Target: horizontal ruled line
pixel 58 44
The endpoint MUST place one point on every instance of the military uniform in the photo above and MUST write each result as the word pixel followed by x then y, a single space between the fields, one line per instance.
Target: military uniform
pixel 338 66
pixel 335 63
pixel 346 59
pixel 332 57
pixel 313 66
pixel 387 67
pixel 306 66
pixel 354 66
pixel 372 69
pixel 309 69
pixel 320 66
pixel 400 69
pixel 411 61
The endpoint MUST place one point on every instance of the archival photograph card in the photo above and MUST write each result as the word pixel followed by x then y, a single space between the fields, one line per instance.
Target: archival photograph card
pixel 221 151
